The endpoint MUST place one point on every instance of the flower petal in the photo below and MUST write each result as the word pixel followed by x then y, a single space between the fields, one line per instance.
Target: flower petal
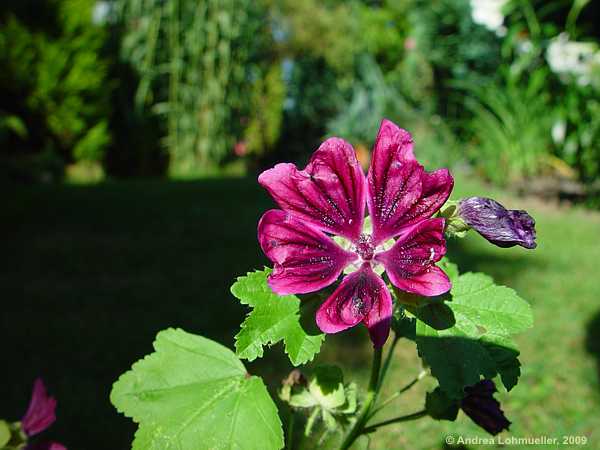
pixel 400 192
pixel 361 297
pixel 41 411
pixel 410 262
pixel 305 258
pixel 329 193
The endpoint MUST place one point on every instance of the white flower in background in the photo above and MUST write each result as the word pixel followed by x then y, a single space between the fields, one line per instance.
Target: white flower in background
pixel 100 13
pixel 525 46
pixel 489 14
pixel 570 58
pixel 559 131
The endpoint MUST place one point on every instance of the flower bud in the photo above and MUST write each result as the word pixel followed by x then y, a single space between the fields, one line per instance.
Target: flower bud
pixel 500 226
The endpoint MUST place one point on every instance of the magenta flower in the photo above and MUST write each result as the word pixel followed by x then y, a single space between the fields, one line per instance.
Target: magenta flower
pixel 40 413
pixel 39 416
pixel 329 197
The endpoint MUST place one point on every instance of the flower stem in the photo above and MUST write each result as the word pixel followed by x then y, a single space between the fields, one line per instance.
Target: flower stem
pixel 532 22
pixel 358 427
pixel 407 418
pixel 289 445
pixel 397 394
pixel 387 362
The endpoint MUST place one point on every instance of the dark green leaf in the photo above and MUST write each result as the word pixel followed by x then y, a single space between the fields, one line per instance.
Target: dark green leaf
pixel 455 361
pixel 441 407
pixel 478 343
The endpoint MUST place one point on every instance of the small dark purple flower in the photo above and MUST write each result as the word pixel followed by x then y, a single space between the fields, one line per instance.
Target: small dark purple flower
pixel 502 227
pixel 481 406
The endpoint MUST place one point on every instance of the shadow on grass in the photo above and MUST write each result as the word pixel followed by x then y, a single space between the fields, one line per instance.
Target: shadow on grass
pixel 90 274
pixel 477 255
pixel 592 340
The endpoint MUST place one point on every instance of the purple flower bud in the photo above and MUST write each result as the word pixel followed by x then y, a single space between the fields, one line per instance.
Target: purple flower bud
pixel 481 406
pixel 502 227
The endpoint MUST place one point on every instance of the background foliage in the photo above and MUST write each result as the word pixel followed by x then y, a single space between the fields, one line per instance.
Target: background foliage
pixel 148 86
pixel 53 86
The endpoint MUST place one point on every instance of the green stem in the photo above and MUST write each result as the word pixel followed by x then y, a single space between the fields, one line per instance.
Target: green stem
pixel 388 360
pixel 290 430
pixel 397 394
pixel 358 427
pixel 407 418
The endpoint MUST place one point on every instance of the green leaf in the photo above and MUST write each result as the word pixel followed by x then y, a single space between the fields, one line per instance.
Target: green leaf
pixel 439 316
pixel 441 407
pixel 194 394
pixel 456 361
pixel 4 433
pixel 449 268
pixel 275 318
pixel 505 354
pixel 478 342
pixel 403 325
pixel 326 387
pixel 481 307
pixel 324 393
pixel 326 390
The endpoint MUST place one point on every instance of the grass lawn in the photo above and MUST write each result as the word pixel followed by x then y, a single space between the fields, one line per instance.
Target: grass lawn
pixel 89 274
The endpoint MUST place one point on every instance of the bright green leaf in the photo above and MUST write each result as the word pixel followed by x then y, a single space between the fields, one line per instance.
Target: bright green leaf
pixel 194 394
pixel 275 318
pixel 4 433
pixel 481 307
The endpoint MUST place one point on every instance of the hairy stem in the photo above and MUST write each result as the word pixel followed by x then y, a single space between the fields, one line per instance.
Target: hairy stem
pixel 407 418
pixel 358 427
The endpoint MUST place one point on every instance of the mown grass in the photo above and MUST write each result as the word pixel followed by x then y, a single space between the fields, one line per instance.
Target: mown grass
pixel 89 274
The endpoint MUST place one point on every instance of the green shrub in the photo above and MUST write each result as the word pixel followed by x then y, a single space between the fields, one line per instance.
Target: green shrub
pixel 53 82
pixel 511 128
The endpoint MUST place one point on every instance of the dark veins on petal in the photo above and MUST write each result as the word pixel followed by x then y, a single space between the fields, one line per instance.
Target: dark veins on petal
pixel 330 192
pixel 312 255
pixel 404 195
pixel 355 301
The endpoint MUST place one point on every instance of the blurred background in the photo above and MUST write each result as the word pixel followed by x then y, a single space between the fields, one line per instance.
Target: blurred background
pixel 132 131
